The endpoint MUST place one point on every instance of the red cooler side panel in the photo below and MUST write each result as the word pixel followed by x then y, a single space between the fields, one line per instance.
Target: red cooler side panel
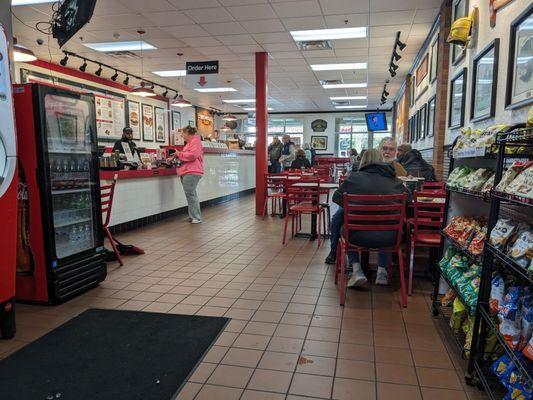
pixel 8 237
pixel 32 286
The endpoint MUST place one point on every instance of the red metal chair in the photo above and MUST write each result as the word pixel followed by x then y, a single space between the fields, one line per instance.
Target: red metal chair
pixel 300 201
pixel 274 185
pixel 106 195
pixel 424 227
pixel 434 186
pixel 378 213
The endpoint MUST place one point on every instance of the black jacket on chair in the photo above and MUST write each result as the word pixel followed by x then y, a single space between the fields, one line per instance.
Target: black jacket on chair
pixel 373 179
pixel 415 165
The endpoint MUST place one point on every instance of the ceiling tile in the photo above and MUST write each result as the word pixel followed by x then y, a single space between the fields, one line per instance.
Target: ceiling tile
pixel 185 31
pixel 246 48
pixel 426 16
pixel 147 6
pixel 350 43
pixel 251 12
pixel 104 22
pixel 237 39
pixel 191 4
pixel 204 41
pixel 344 6
pixel 228 3
pixel 303 23
pixel 297 8
pixel 224 28
pixel 279 47
pixel 207 15
pixel 354 20
pixel 286 54
pixel 273 37
pixel 387 30
pixel 391 18
pixel 263 26
pixel 168 18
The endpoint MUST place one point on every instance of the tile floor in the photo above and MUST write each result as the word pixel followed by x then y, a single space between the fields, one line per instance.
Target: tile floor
pixel 288 338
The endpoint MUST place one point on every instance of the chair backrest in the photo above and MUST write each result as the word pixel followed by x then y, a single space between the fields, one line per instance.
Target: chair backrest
pixel 297 194
pixel 107 193
pixel 275 181
pixel 374 213
pixel 428 211
pixel 433 186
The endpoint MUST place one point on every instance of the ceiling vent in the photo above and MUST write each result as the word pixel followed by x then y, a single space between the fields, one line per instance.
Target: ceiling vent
pixel 315 45
pixel 330 82
pixel 123 54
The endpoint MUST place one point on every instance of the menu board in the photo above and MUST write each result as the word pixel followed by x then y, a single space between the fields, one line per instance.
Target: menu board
pixel 148 122
pixel 160 125
pixel 110 117
pixel 134 119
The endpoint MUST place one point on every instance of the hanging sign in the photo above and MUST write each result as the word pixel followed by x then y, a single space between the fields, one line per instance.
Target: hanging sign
pixel 202 74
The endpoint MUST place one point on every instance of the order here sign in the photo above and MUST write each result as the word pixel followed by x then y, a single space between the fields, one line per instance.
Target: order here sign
pixel 202 74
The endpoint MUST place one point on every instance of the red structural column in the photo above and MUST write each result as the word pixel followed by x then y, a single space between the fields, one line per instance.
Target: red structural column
pixel 261 126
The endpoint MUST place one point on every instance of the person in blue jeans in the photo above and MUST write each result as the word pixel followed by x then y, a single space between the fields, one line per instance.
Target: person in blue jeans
pixel 374 177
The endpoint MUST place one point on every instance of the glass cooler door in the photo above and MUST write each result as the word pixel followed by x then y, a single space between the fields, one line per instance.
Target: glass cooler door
pixel 71 173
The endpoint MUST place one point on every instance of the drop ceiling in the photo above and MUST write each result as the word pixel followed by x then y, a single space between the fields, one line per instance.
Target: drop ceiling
pixel 231 31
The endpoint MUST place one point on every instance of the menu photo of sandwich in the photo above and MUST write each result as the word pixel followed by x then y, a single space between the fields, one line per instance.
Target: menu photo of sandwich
pixel 134 119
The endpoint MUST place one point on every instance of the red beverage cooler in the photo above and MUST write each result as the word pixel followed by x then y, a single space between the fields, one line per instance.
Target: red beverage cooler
pixel 8 195
pixel 60 252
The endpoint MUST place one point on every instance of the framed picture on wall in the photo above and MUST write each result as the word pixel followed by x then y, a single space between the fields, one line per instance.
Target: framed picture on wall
pixel 160 125
pixel 412 91
pixel 148 122
pixel 176 120
pixel 422 70
pixel 409 130
pixel 460 10
pixel 134 119
pixel 416 126
pixel 457 100
pixel 431 117
pixel 485 82
pixel 434 60
pixel 319 142
pixel 422 121
pixel 520 69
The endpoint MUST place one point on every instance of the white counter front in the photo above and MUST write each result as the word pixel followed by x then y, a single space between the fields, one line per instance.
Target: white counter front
pixel 143 194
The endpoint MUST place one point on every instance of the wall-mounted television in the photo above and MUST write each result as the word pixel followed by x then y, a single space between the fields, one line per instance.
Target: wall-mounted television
pixel 70 18
pixel 376 121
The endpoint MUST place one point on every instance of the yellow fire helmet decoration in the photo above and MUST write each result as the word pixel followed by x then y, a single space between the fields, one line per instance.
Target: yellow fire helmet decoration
pixel 462 28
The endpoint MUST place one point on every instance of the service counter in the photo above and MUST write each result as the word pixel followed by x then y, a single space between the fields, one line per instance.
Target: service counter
pixel 141 194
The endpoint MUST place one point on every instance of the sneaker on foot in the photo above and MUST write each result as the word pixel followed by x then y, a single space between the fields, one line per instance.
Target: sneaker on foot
pixel 358 279
pixel 332 256
pixel 382 278
pixel 196 221
pixel 188 219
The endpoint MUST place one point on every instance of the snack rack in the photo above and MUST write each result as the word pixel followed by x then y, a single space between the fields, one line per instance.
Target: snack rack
pixel 519 209
pixel 465 202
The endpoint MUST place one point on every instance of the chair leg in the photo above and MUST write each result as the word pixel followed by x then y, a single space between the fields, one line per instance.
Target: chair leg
pixel 402 277
pixel 411 268
pixel 285 228
pixel 113 245
pixel 337 263
pixel 343 276
pixel 319 230
pixel 265 208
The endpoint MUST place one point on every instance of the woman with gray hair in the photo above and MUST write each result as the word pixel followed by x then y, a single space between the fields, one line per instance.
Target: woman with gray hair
pixel 374 177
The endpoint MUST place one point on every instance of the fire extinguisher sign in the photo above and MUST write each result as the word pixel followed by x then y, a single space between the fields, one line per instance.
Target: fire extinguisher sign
pixel 202 74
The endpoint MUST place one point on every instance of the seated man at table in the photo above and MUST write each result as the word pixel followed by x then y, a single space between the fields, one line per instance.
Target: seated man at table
pixel 415 165
pixel 374 177
pixel 388 149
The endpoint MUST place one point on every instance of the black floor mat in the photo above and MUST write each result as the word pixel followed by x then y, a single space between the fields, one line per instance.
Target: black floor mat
pixel 110 355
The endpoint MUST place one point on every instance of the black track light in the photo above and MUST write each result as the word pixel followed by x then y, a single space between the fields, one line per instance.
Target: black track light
pixel 165 93
pixel 176 96
pixel 394 67
pixel 385 93
pixel 83 66
pixel 115 76
pixel 400 44
pixel 152 86
pixel 127 80
pixel 396 56
pixel 98 72
pixel 392 72
pixel 64 60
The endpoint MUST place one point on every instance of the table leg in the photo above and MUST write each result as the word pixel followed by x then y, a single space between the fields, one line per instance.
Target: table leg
pixel 313 227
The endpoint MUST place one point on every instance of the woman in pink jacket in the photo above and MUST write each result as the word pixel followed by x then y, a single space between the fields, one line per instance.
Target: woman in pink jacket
pixel 191 170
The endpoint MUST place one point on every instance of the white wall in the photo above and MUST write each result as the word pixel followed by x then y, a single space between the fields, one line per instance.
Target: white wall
pixel 486 35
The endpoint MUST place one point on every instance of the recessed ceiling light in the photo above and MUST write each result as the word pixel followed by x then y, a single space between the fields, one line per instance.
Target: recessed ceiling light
pixel 348 107
pixel 28 2
pixel 348 98
pixel 338 67
pixel 120 46
pixel 239 101
pixel 329 34
pixel 176 72
pixel 216 90
pixel 253 109
pixel 345 85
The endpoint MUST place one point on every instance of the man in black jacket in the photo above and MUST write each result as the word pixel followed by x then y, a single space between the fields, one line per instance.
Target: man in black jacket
pixel 373 178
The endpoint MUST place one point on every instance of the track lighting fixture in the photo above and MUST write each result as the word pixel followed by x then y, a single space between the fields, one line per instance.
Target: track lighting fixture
pixel 64 60
pixel 152 86
pixel 126 81
pixel 400 44
pixel 165 93
pixel 394 67
pixel 176 96
pixel 115 76
pixel 385 92
pixel 83 67
pixel 392 72
pixel 98 72
pixel 396 56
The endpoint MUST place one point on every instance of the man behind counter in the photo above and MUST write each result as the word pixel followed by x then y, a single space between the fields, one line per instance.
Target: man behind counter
pixel 127 136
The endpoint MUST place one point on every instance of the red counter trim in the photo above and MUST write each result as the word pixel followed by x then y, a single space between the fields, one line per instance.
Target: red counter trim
pixel 137 174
